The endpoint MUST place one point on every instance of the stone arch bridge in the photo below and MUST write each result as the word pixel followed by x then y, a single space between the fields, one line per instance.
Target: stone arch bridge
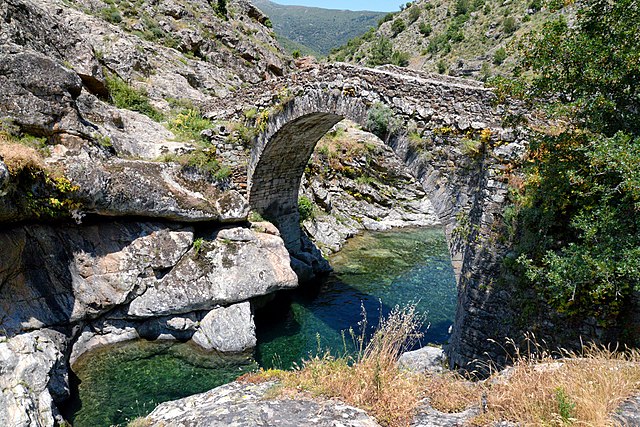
pixel 447 131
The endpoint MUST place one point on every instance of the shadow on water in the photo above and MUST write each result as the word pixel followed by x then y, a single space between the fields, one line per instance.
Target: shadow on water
pixel 374 272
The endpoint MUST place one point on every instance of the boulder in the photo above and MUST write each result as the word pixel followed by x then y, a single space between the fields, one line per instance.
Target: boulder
pixel 118 187
pixel 96 268
pixel 32 375
pixel 238 404
pixel 219 271
pixel 227 329
pixel 426 359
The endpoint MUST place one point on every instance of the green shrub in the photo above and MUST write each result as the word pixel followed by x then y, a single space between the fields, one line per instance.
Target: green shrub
pixel 305 207
pixel 401 59
pixel 381 52
pixel 425 29
pixel 386 18
pixel 509 25
pixel 397 26
pixel 381 121
pixel 414 14
pixel 442 67
pixel 499 56
pixel 111 14
pixel 188 124
pixel 125 96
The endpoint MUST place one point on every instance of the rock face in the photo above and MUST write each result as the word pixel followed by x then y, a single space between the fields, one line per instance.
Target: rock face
pixel 238 404
pixel 356 182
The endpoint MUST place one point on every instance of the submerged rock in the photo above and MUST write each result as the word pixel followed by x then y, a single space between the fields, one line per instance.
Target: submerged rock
pixel 238 404
pixel 229 329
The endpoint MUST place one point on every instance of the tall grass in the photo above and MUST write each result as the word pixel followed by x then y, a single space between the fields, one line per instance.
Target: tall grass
pixel 370 380
pixel 572 388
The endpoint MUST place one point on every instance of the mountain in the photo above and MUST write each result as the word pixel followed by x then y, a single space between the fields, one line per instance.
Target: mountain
pixel 318 29
pixel 456 37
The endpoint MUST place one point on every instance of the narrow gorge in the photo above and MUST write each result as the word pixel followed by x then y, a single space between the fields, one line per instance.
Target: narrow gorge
pixel 168 176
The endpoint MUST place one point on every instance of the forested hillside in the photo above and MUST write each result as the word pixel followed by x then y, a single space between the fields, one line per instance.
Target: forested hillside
pixel 456 37
pixel 320 30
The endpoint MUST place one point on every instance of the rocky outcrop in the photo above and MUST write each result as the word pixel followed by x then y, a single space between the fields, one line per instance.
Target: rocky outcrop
pixel 238 404
pixel 355 182
pixel 32 375
pixel 114 281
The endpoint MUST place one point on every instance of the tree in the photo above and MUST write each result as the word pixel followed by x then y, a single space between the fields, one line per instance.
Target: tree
pixel 381 52
pixel 578 213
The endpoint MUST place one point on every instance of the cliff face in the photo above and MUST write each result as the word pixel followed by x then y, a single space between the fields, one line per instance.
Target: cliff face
pixel 118 223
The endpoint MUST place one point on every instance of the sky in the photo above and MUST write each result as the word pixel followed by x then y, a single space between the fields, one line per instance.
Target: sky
pixel 375 5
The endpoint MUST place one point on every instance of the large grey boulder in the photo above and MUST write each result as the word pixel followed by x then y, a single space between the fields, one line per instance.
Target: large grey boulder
pixel 227 267
pixel 32 375
pixel 237 404
pixel 227 329
pixel 38 94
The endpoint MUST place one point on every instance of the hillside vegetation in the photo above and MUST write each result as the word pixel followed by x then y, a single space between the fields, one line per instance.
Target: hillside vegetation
pixel 320 30
pixel 457 37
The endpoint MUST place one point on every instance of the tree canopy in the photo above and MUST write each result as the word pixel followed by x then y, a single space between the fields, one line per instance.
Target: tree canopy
pixel 578 211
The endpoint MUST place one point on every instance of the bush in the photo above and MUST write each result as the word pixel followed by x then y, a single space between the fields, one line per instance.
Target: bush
pixel 414 14
pixel 188 125
pixel 111 14
pixel 398 26
pixel 305 208
pixel 381 121
pixel 425 29
pixel 499 56
pixel 401 59
pixel 509 25
pixel 381 52
pixel 125 96
pixel 386 18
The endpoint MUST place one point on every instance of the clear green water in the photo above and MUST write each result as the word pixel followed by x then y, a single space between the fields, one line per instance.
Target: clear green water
pixel 121 382
pixel 375 270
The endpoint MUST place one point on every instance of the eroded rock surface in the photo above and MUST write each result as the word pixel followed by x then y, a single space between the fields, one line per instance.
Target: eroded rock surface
pixel 237 404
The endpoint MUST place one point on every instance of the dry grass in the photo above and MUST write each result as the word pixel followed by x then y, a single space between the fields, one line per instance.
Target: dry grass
pixel 372 380
pixel 18 157
pixel 540 389
pixel 578 389
pixel 450 392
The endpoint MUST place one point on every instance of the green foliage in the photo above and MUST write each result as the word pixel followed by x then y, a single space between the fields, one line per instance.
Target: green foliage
pixel 220 6
pixel 578 211
pixel 188 124
pixel 414 14
pixel 305 207
pixel 317 30
pixel 381 52
pixel 381 121
pixel 509 25
pixel 566 408
pixel 125 96
pixel 397 26
pixel 111 14
pixel 499 56
pixel 197 245
pixel 401 59
pixel 442 67
pixel 425 29
pixel 386 18
pixel 296 54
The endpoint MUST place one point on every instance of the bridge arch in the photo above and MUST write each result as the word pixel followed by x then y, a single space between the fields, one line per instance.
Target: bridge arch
pixel 467 190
